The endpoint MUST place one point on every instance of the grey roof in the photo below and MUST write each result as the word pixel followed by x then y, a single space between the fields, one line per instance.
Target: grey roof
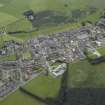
pixel 83 36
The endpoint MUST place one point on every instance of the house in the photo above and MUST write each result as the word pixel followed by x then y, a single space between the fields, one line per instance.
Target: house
pixel 29 15
pixel 101 23
pixel 59 70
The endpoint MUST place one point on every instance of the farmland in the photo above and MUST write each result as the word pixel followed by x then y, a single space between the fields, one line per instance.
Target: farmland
pixel 82 74
pixel 12 10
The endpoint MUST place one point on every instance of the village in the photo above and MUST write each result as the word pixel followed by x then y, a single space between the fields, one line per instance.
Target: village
pixel 48 55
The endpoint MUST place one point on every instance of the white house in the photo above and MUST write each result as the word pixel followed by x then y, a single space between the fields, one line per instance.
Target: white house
pixel 59 70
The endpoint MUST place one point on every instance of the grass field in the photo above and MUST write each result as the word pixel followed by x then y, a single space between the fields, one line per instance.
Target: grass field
pixel 6 19
pixel 11 6
pixel 12 10
pixel 82 74
pixel 18 98
pixel 91 55
pixel 44 86
pixel 49 87
pixel 4 38
pixel 102 51
pixel 9 58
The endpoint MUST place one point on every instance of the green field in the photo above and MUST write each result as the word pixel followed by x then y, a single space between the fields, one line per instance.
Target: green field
pixel 8 58
pixel 91 55
pixel 43 86
pixel 16 7
pixel 12 10
pixel 18 98
pixel 6 19
pixel 102 51
pixel 49 87
pixel 82 74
